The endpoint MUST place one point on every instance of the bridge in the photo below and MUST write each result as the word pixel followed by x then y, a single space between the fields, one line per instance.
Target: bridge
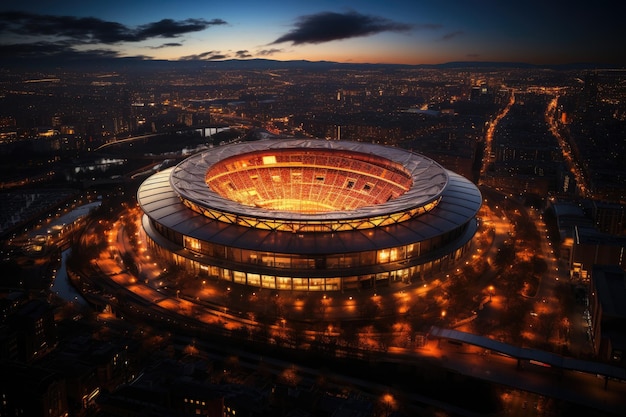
pixel 537 356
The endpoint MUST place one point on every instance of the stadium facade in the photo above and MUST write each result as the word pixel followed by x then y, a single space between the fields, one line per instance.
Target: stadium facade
pixel 310 215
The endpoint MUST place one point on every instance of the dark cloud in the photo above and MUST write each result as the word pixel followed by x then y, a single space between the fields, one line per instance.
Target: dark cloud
pixel 60 50
pixel 209 55
pixel 94 30
pixel 58 36
pixel 168 28
pixel 243 54
pixel 167 45
pixel 330 26
pixel 266 52
pixel 86 29
pixel 216 57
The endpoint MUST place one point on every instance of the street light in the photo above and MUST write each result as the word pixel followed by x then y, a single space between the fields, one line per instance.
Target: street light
pixel 389 404
pixel 491 289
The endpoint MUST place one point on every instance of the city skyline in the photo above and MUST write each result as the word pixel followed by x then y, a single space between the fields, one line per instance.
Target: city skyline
pixel 396 32
pixel 116 283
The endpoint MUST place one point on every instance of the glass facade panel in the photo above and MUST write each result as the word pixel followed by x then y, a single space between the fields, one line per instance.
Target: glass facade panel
pixel 217 251
pixel 413 250
pixel 282 261
pixel 368 258
pixel 191 243
pixel 249 256
pixel 235 265
pixel 333 284
pixel 382 276
pixel 350 283
pixel 350 260
pixel 416 272
pixel 333 261
pixel 239 277
pixel 317 284
pixel 269 281
pixel 226 274
pixel 304 263
pixel 267 259
pixel 301 284
pixel 283 283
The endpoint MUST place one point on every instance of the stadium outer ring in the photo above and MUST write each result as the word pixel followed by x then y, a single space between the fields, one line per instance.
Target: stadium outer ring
pixel 406 250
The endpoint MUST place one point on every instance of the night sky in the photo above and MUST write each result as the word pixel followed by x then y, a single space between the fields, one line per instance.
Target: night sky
pixel 539 32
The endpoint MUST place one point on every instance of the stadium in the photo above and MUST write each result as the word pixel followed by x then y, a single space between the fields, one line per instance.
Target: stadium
pixel 310 215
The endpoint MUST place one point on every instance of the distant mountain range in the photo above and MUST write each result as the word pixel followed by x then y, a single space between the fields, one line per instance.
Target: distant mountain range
pixel 262 64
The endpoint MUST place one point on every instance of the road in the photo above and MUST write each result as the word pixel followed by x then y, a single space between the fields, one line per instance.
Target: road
pixel 553 124
pixel 490 132
pixel 571 386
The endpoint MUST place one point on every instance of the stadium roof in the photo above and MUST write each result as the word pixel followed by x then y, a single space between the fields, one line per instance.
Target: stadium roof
pixel 459 203
pixel 429 179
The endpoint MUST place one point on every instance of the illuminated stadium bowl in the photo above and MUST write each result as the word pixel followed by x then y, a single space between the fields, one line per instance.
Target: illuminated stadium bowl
pixel 310 215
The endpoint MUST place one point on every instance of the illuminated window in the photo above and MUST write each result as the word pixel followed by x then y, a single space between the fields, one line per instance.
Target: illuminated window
pixel 254 279
pixel 192 243
pixel 283 283
pixel 268 281
pixel 269 160
pixel 239 277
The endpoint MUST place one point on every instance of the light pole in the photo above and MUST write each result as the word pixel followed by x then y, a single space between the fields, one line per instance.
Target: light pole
pixel 491 289
pixel 389 404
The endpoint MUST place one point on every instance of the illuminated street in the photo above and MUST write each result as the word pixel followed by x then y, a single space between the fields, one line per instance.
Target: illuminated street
pixel 225 306
pixel 305 238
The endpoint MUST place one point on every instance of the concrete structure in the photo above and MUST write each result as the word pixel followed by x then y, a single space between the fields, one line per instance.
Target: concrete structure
pixel 310 215
pixel 607 304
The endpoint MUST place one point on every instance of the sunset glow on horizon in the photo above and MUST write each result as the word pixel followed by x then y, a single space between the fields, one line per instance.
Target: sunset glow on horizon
pixel 395 32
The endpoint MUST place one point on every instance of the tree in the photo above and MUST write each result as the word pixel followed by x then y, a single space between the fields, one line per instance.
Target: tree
pixel 505 255
pixel 547 324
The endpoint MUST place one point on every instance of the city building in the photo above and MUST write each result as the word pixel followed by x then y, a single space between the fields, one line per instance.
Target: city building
pixel 32 391
pixel 185 388
pixel 607 305
pixel 36 330
pixel 310 215
pixel 582 244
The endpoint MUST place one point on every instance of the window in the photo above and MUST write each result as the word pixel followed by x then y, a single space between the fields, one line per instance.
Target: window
pixel 269 160
pixel 192 243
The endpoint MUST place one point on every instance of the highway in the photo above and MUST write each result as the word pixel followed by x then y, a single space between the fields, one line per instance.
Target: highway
pixel 551 119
